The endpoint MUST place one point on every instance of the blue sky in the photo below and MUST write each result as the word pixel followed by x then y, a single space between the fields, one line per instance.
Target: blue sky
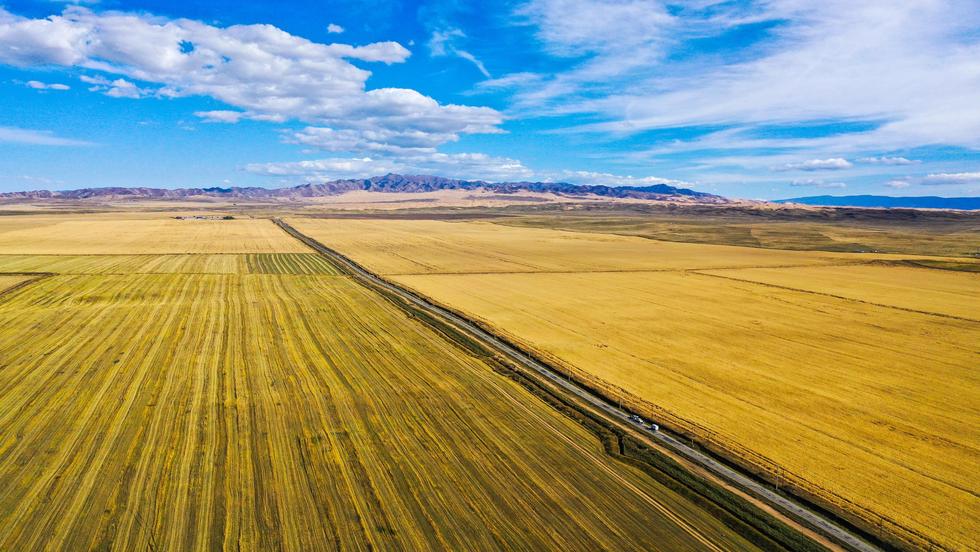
pixel 767 99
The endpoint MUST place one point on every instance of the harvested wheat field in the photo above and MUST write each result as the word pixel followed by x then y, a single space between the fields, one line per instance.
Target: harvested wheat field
pixel 296 412
pixel 865 404
pixel 154 233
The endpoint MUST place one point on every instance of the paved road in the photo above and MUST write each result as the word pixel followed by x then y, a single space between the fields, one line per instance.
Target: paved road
pixel 794 509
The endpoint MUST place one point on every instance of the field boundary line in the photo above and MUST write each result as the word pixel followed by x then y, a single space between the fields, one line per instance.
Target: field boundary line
pixel 620 271
pixel 798 509
pixel 825 294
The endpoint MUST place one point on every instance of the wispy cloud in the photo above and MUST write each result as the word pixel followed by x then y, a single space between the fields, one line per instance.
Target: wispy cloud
pixel 232 117
pixel 832 164
pixel 809 183
pixel 872 62
pixel 574 28
pixel 38 85
pixel 385 141
pixel 607 179
pixel 887 161
pixel 324 168
pixel 16 135
pixel 513 80
pixel 334 28
pixel 945 179
pixel 458 165
pixel 443 43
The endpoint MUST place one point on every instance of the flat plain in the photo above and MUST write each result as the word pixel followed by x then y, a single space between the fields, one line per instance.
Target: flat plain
pixel 810 366
pixel 906 231
pixel 263 401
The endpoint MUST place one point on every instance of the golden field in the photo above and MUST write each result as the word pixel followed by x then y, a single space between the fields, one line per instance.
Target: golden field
pixel 261 401
pixel 872 408
pixel 118 233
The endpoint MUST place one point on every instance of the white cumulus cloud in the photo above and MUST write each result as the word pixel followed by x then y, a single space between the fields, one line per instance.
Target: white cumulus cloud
pixel 16 135
pixel 259 70
pixel 334 28
pixel 117 88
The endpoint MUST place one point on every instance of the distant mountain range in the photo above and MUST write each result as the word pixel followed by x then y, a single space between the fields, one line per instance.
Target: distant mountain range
pixel 387 183
pixel 924 202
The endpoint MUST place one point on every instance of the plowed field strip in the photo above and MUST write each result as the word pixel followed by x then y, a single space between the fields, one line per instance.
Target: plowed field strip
pixel 257 263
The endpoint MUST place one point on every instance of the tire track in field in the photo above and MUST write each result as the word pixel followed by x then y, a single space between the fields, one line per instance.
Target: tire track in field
pixel 619 270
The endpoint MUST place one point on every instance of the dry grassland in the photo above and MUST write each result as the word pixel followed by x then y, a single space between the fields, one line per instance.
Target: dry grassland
pixel 139 233
pixel 953 234
pixel 871 407
pixel 238 411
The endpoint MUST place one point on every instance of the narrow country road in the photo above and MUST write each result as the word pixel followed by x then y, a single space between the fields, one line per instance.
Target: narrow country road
pixel 660 439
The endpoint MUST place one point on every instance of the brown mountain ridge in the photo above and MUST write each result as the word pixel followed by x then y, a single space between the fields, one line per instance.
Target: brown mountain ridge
pixel 392 183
